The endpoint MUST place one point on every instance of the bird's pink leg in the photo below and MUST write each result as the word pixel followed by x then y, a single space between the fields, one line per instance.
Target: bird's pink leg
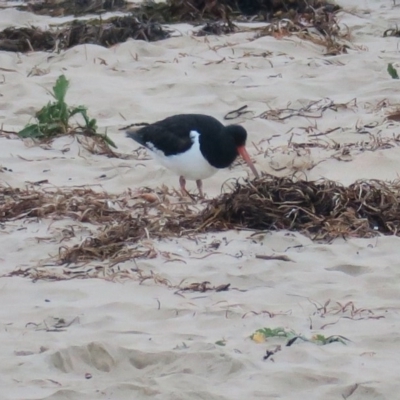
pixel 199 184
pixel 182 183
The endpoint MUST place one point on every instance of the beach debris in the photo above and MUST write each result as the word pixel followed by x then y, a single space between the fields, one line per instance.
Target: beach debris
pixel 105 33
pixel 394 32
pixel 313 20
pixel 269 353
pixel 182 346
pixel 203 287
pixel 322 210
pixel 319 339
pixel 172 11
pixel 318 25
pixel 280 257
pixel 394 116
pixel 57 8
pixel 261 335
pixel 217 28
pixel 314 109
pixel 349 390
pixel 54 324
pixel 121 225
pixel 392 71
pixel 53 119
pixel 265 312
pixel 338 311
pixel 80 204
pixel 24 353
pixel 237 113
pixel 26 39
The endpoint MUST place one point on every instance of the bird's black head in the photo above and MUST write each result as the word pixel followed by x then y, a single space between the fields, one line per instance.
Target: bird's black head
pixel 220 148
pixel 238 133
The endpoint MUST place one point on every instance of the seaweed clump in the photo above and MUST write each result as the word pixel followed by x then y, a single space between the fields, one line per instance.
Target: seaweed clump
pixel 26 39
pixel 216 28
pixel 322 210
pixel 211 10
pixel 144 23
pixel 183 10
pixel 73 7
pixel 101 32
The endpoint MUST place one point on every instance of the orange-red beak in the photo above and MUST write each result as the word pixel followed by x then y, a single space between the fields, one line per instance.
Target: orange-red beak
pixel 245 155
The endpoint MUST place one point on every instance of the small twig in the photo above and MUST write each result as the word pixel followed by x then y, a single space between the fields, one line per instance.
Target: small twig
pixel 274 257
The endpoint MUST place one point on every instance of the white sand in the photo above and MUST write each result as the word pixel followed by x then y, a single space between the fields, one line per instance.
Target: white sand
pixel 144 341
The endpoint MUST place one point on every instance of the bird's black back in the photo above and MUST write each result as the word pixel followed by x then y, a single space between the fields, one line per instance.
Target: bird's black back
pixel 172 136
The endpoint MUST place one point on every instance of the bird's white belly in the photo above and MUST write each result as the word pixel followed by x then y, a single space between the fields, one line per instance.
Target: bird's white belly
pixel 190 164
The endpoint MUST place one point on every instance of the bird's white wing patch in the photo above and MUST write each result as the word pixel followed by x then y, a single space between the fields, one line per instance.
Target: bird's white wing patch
pixel 191 164
pixel 151 146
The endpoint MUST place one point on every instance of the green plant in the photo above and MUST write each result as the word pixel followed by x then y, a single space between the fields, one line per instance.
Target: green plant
pixel 268 332
pixel 260 335
pixel 54 118
pixel 321 339
pixel 392 71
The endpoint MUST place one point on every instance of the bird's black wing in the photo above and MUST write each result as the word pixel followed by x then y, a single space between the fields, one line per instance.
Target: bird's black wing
pixel 172 135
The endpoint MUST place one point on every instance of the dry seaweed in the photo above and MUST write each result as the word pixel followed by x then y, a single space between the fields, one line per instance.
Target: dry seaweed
pixel 197 11
pixel 318 25
pixel 310 20
pixel 339 310
pixel 26 39
pixel 322 210
pixel 210 10
pixel 73 7
pixel 101 32
pixel 114 274
pixel 392 32
pixel 181 10
pixel 313 109
pixel 81 204
pixel 123 219
pixel 374 143
pixel 281 7
pixel 216 28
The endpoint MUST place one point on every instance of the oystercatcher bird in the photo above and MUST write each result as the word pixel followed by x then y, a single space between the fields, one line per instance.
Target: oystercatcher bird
pixel 193 146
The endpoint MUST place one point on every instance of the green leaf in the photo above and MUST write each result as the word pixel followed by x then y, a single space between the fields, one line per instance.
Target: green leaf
pixel 331 339
pixel 60 88
pixel 64 115
pixel 220 342
pixel 392 71
pixel 30 131
pixel 43 114
pixel 261 334
pixel 82 110
pixel 268 332
pixel 108 140
pixel 53 128
pixel 78 110
pixel 92 124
